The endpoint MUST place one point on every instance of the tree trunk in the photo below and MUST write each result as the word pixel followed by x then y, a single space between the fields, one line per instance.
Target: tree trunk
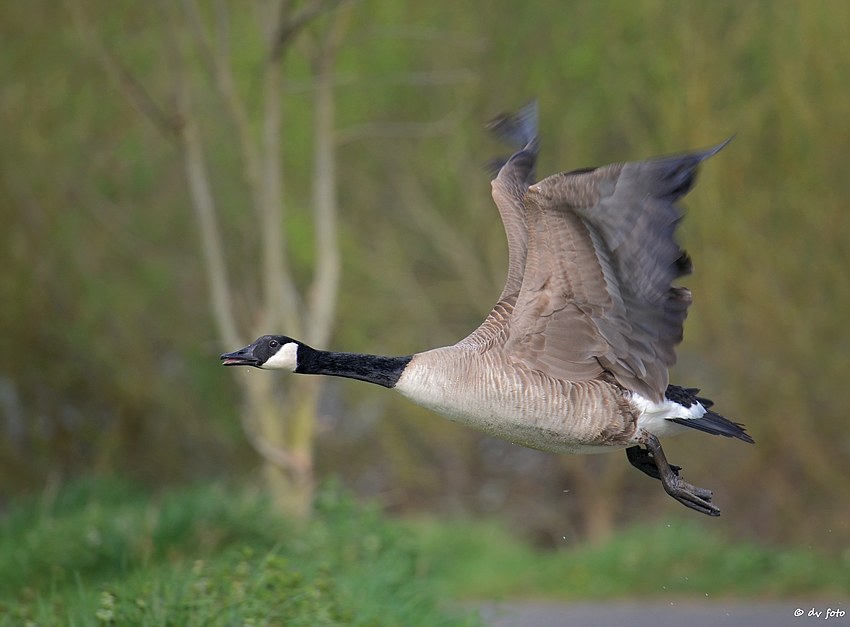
pixel 280 427
pixel 301 435
pixel 283 432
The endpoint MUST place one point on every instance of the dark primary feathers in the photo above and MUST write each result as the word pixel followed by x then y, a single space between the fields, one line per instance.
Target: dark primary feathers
pixel 517 130
pixel 510 186
pixel 592 261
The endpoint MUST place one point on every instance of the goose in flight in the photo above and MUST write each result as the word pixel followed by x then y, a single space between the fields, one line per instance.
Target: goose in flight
pixel 574 357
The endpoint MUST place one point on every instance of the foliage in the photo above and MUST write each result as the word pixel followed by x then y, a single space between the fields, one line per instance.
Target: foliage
pixel 684 559
pixel 104 553
pixel 107 351
pixel 229 591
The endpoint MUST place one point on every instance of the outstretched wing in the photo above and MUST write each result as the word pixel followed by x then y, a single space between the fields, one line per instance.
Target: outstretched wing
pixel 597 289
pixel 509 188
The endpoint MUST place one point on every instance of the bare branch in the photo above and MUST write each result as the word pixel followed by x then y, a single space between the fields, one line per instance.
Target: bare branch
pixel 136 94
pixel 325 288
pixel 182 130
pixel 333 37
pixel 222 75
pixel 446 240
pixel 259 14
pixel 261 166
pixel 203 204
pixel 125 82
pixel 276 455
pixel 281 296
pixel 202 41
pixel 291 26
pixel 256 432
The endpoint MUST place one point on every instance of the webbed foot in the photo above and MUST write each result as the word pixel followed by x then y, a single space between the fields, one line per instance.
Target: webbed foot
pixel 653 462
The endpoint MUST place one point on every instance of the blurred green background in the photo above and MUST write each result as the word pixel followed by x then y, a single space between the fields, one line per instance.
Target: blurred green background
pixel 109 351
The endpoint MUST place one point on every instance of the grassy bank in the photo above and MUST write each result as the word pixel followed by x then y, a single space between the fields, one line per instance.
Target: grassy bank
pixel 671 559
pixel 101 552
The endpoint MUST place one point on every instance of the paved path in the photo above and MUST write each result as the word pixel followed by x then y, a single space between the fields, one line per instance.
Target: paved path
pixel 676 614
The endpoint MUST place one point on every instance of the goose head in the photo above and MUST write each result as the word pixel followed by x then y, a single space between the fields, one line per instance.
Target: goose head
pixel 269 352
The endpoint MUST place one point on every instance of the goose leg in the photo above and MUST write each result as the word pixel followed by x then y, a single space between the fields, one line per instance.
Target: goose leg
pixel 643 461
pixel 653 462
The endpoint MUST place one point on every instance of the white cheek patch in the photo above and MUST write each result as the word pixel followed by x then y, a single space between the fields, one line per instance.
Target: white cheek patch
pixel 284 359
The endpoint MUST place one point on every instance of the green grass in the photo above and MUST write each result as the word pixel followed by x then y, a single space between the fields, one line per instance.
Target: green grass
pixel 105 553
pixel 101 552
pixel 483 561
pixel 233 589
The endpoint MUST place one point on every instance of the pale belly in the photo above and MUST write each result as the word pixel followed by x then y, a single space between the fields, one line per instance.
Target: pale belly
pixel 526 408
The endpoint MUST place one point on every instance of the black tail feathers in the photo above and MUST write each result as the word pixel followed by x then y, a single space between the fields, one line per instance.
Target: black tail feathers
pixel 711 422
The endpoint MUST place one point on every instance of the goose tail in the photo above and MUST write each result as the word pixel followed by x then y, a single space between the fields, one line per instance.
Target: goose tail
pixel 710 422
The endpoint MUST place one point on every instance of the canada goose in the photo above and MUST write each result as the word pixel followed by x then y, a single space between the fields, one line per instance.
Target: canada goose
pixel 574 356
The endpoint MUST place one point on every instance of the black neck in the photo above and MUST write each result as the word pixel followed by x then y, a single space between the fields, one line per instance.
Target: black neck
pixel 383 371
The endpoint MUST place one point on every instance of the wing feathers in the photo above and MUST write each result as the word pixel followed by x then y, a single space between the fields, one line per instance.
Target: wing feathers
pixel 517 129
pixel 604 252
pixel 510 185
pixel 592 261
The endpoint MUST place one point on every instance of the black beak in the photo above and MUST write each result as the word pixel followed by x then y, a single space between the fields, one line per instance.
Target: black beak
pixel 242 357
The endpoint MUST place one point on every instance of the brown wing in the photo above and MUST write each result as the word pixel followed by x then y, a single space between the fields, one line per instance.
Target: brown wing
pixel 597 290
pixel 509 188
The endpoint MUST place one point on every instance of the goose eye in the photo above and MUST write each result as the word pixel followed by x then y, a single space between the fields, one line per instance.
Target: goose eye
pixel 274 344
